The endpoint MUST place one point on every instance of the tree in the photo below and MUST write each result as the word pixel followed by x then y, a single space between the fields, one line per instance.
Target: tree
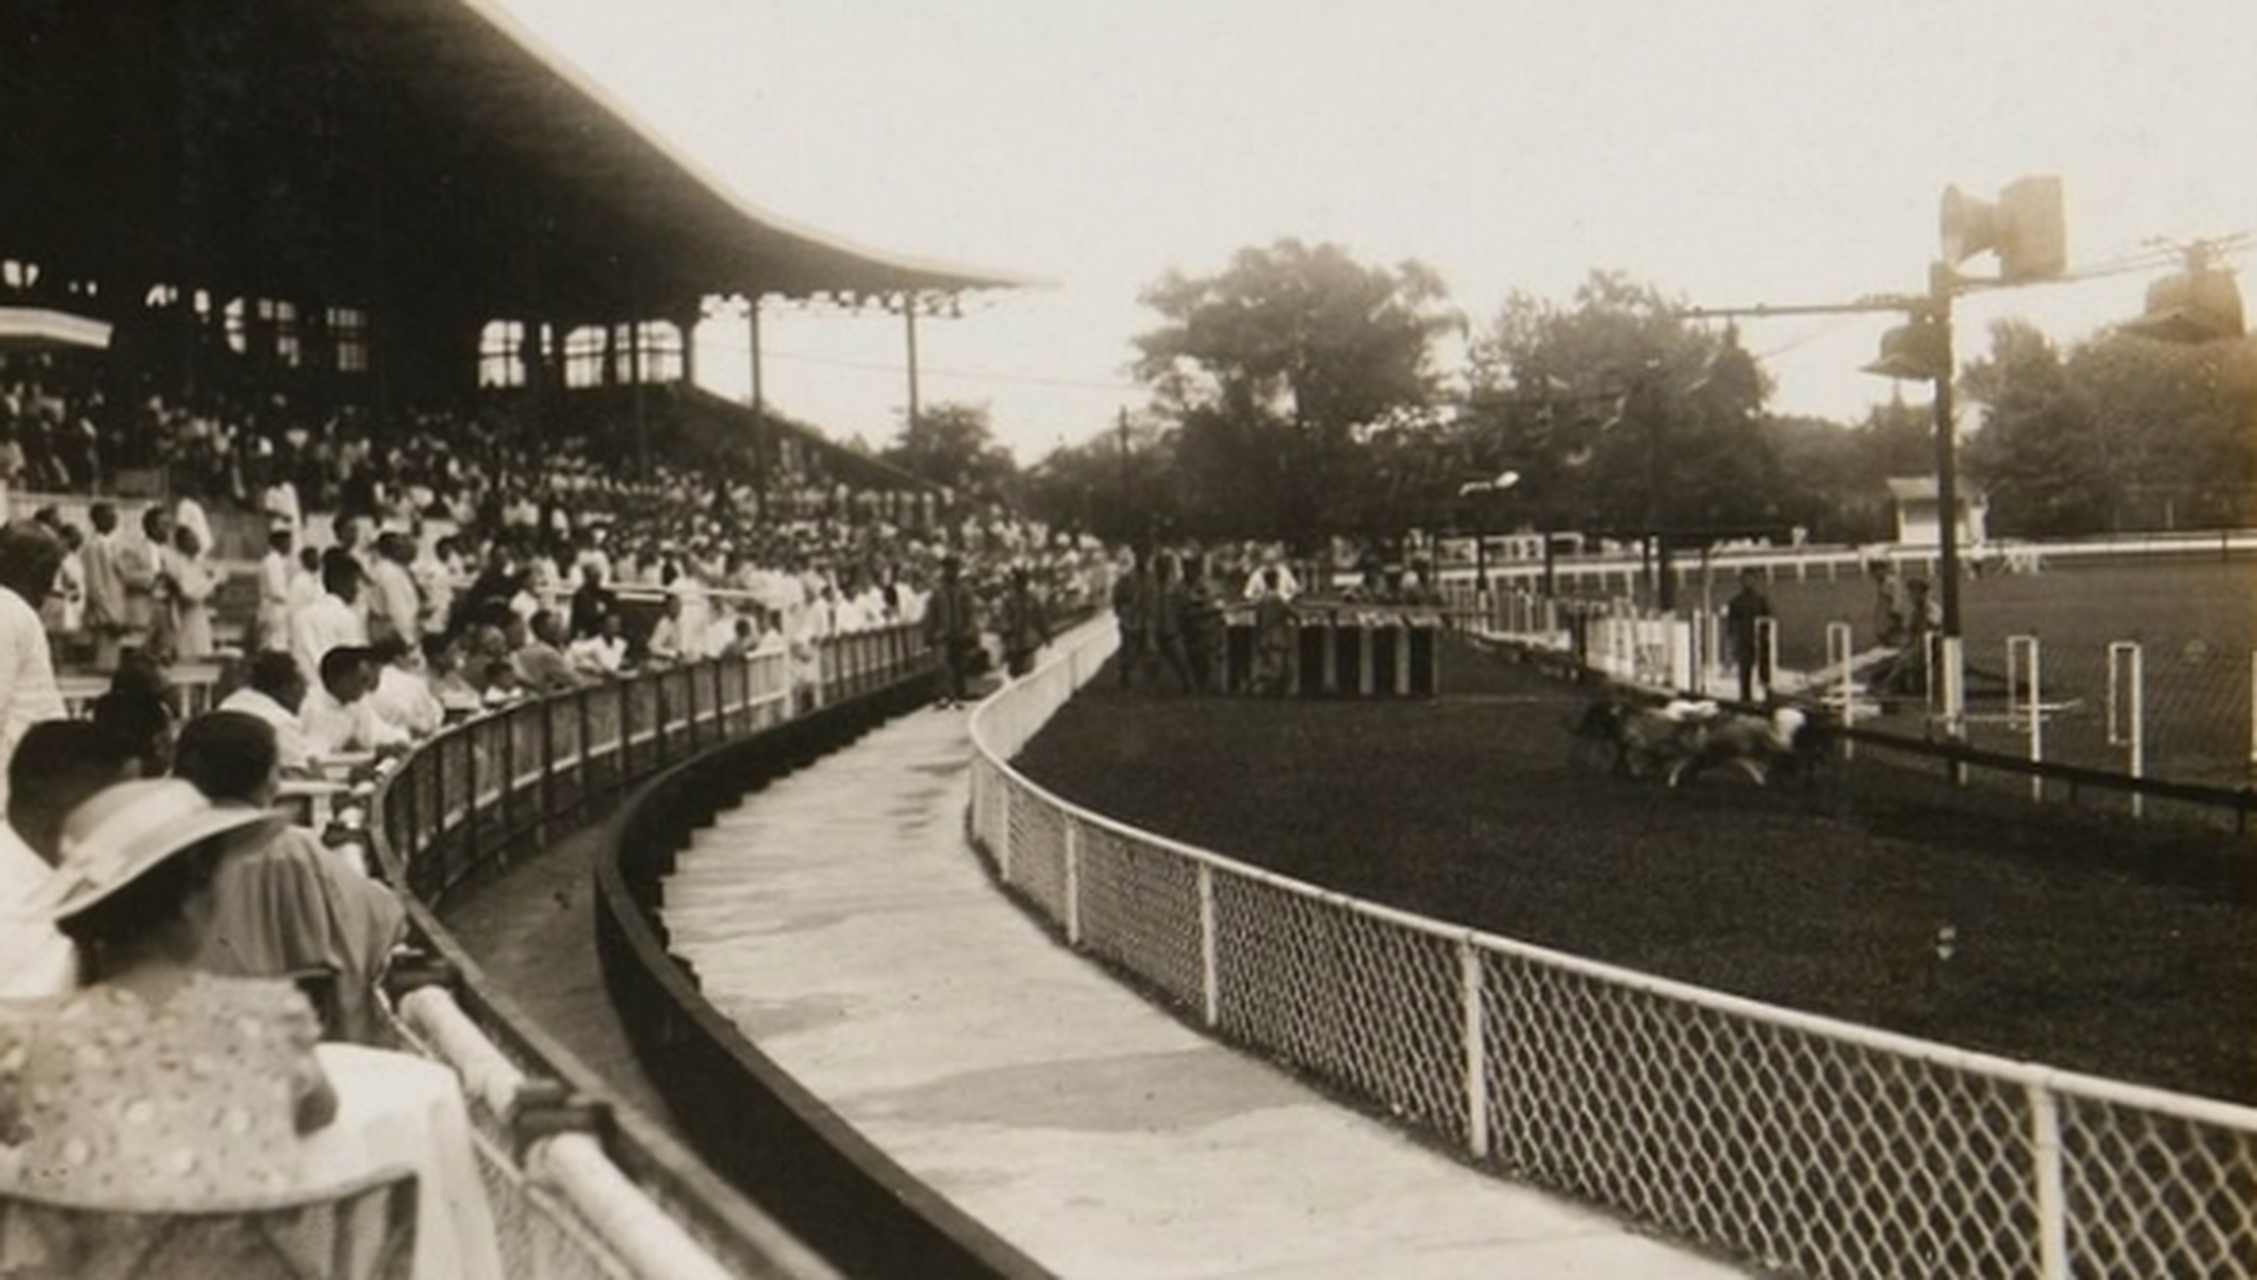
pixel 1279 372
pixel 952 444
pixel 1621 417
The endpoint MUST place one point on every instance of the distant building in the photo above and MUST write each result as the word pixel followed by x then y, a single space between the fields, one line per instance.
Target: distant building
pixel 1919 513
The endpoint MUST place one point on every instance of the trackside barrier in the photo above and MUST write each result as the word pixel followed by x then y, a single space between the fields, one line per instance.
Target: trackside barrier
pixel 2127 713
pixel 844 1196
pixel 580 1185
pixel 1802 1143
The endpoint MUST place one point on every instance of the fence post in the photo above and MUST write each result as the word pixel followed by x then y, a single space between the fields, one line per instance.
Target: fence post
pixel 2127 719
pixel 2253 712
pixel 1838 657
pixel 2021 673
pixel 1000 809
pixel 1476 1050
pixel 2052 1205
pixel 1073 883
pixel 1210 979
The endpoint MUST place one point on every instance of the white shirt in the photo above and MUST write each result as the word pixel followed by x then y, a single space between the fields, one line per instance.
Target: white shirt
pixel 275 573
pixel 319 627
pixel 292 751
pixel 395 598
pixel 28 693
pixel 333 727
pixel 405 698
pixel 35 958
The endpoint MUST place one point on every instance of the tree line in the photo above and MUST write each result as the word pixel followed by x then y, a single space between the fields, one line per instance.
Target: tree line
pixel 1299 394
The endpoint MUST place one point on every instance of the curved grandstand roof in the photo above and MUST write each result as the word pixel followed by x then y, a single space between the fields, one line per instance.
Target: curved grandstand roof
pixel 359 150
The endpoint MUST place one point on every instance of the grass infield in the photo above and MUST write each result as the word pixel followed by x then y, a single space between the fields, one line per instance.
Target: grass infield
pixel 2083 941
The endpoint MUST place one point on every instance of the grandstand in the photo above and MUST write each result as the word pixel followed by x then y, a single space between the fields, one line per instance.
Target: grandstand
pixel 405 217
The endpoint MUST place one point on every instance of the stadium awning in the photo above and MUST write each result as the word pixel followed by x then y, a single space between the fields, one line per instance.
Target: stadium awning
pixel 40 328
pixel 370 153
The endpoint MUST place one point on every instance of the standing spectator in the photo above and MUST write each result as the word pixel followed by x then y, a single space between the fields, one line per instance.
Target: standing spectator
pixel 394 608
pixel 952 630
pixel 105 586
pixel 29 556
pixel 1273 637
pixel 190 582
pixel 66 615
pixel 1202 625
pixel 58 764
pixel 1742 632
pixel 139 563
pixel 276 570
pixel 591 601
pixel 331 620
pixel 1132 612
pixel 1168 604
pixel 1026 623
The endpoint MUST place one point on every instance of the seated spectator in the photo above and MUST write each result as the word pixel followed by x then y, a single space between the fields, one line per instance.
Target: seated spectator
pixel 275 695
pixel 332 620
pixel 282 905
pixel 156 1084
pixel 446 668
pixel 340 716
pixel 142 721
pixel 59 764
pixel 537 659
pixel 667 644
pixel 403 694
pixel 602 655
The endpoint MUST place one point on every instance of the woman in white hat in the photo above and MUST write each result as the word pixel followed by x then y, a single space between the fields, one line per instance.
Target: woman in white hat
pixel 156 1086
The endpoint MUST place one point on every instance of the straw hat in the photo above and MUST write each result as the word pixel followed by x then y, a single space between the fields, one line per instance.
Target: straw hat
pixel 121 832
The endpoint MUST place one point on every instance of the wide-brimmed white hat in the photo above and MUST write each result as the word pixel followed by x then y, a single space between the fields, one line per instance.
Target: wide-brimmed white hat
pixel 118 834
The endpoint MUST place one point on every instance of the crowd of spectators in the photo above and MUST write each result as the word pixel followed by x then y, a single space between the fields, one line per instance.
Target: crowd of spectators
pixel 154 901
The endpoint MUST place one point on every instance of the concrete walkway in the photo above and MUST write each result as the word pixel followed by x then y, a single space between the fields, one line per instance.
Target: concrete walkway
pixel 841 921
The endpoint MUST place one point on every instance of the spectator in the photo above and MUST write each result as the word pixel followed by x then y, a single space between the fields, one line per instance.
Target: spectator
pixel 1168 605
pixel 952 630
pixel 332 620
pixel 60 763
pixel 29 557
pixel 138 564
pixel 403 695
pixel 276 570
pixel 1026 623
pixel 276 691
pixel 395 609
pixel 1273 636
pixel 156 1083
pixel 603 654
pixel 1743 631
pixel 339 714
pixel 592 602
pixel 537 660
pixel 189 583
pixel 667 643
pixel 67 615
pixel 1132 612
pixel 281 904
pixel 106 611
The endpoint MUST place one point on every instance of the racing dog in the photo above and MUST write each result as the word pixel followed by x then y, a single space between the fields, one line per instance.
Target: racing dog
pixel 1641 740
pixel 1682 738
pixel 1756 745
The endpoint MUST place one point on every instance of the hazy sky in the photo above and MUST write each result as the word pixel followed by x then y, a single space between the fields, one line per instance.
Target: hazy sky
pixel 1730 151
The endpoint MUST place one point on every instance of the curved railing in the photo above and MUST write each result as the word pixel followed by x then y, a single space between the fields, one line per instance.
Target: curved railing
pixel 1799 1142
pixel 583 1185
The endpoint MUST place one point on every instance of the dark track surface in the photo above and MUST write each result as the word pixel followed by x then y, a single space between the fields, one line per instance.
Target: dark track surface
pixel 2082 941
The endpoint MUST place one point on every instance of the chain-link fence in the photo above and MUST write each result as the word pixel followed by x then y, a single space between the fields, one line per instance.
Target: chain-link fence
pixel 1801 1143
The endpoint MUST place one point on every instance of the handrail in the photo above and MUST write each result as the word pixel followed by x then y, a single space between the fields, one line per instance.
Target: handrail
pixel 1803 1141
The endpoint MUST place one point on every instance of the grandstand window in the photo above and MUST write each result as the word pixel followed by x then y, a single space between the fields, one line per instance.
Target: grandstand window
pixel 19 275
pixel 501 354
pixel 238 325
pixel 348 337
pixel 280 319
pixel 583 357
pixel 661 343
pixel 161 295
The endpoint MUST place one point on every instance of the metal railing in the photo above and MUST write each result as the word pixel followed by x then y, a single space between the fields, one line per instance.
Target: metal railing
pixel 1802 1143
pixel 581 1187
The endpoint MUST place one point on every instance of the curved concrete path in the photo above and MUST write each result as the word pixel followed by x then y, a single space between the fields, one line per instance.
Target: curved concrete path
pixel 840 919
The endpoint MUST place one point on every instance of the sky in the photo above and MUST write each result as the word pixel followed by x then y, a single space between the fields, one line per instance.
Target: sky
pixel 1731 152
